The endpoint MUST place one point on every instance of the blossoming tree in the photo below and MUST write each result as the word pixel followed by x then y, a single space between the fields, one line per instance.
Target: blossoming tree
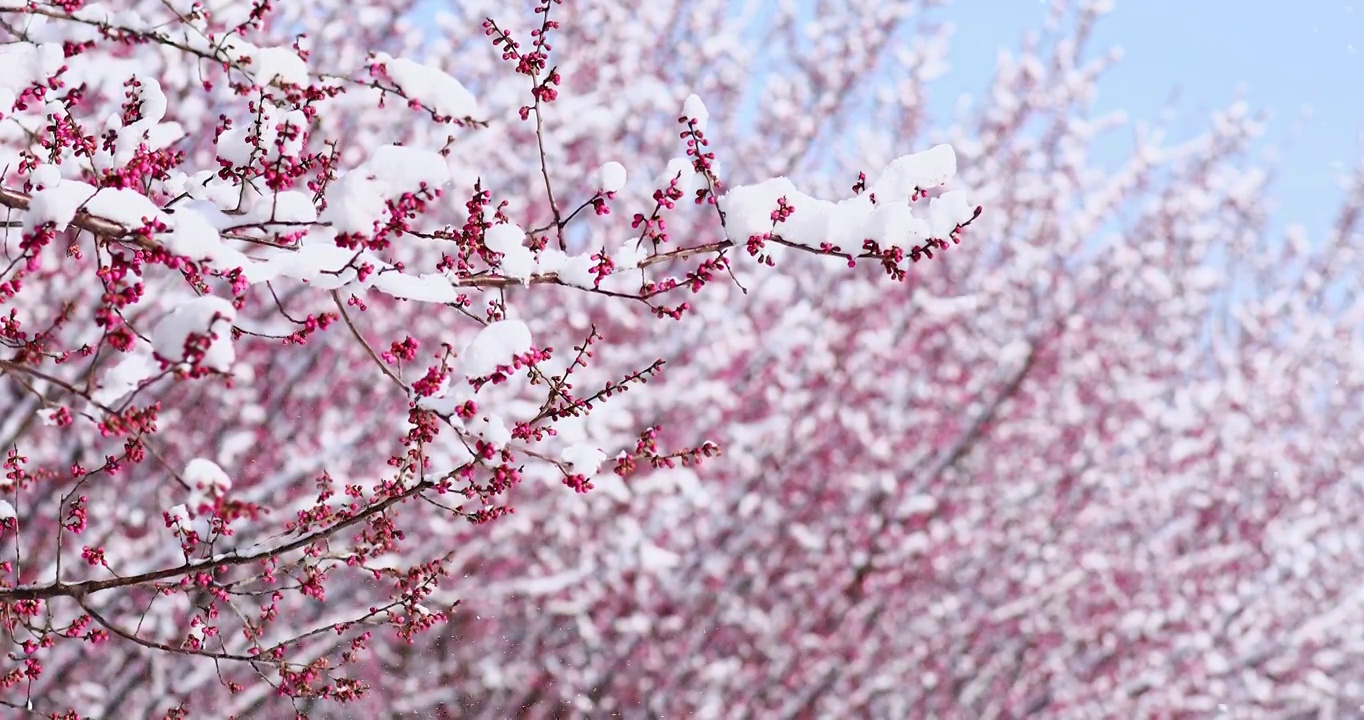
pixel 214 454
pixel 360 359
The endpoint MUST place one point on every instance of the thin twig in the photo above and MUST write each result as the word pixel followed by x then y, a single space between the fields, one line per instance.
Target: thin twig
pixel 336 297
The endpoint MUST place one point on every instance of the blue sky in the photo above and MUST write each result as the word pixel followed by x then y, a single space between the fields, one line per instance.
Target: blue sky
pixel 1281 57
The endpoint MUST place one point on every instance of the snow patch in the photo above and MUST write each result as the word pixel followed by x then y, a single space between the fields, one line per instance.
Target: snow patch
pixel 496 345
pixel 210 316
pixel 611 177
pixel 206 474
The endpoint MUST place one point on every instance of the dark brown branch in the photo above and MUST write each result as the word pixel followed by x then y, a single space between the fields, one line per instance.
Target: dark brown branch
pixel 86 587
pixel 94 224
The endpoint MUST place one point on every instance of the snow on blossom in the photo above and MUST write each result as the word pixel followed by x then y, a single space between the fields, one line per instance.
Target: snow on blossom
pixel 289 206
pixel 193 236
pixel 451 453
pixel 125 377
pixel 696 110
pixel 202 472
pixel 179 515
pixel 405 169
pixel 584 459
pixel 947 211
pixel 45 176
pixel 492 429
pixel 208 316
pixel 427 287
pixel 429 86
pixel 495 345
pixel 182 523
pixel 356 204
pixel 318 261
pixel 928 169
pixel 629 255
pixel 688 180
pixel 148 131
pixel 611 177
pixel 235 147
pixel 125 206
pixel 360 198
pixel 574 270
pixel 449 396
pixel 205 187
pixel 101 14
pixel 847 223
pixel 25 65
pixel 7 511
pixel 58 204
pixel 518 261
pixel 268 65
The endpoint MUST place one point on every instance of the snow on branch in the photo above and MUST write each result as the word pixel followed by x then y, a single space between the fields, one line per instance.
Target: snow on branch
pixel 287 322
